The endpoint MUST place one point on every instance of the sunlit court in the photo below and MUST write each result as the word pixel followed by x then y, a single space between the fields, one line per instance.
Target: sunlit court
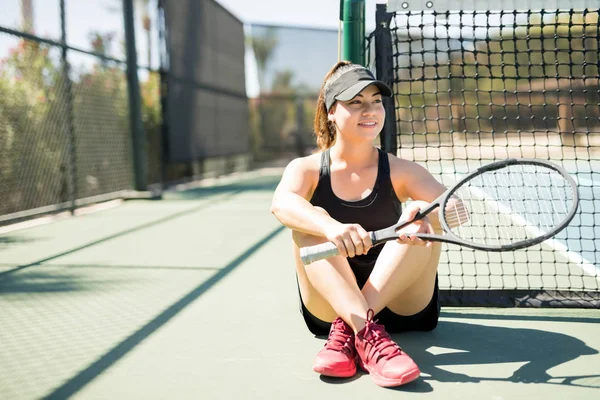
pixel 155 156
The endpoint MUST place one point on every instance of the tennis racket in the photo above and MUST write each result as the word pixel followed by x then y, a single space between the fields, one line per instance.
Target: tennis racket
pixel 502 206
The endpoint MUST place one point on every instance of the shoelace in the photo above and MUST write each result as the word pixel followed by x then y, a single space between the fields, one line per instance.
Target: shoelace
pixel 382 345
pixel 340 337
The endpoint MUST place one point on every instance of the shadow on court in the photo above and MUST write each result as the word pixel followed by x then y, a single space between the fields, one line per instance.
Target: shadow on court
pixel 10 240
pixel 477 345
pixel 48 282
pixel 226 195
pixel 88 374
pixel 547 318
pixel 261 184
pixel 480 345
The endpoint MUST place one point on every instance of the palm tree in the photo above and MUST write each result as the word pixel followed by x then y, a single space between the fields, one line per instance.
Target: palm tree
pixel 263 47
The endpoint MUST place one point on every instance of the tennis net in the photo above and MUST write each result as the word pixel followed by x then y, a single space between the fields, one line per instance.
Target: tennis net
pixel 471 87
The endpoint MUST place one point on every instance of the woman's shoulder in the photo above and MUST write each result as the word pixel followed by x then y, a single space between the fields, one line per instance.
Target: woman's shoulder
pixel 401 165
pixel 301 175
pixel 405 174
pixel 306 166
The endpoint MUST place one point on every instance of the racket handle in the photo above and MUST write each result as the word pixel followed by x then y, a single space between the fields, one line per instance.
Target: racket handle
pixel 318 252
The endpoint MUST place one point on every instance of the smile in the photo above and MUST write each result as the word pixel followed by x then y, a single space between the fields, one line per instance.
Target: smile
pixel 369 124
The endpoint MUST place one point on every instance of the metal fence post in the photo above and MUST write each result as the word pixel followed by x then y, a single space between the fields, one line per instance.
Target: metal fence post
pixel 384 69
pixel 135 108
pixel 164 92
pixel 71 170
pixel 353 12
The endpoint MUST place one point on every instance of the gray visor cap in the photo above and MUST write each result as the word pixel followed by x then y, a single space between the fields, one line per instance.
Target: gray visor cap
pixel 351 83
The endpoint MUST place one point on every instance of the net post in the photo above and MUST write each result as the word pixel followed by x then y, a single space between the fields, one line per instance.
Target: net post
pixel 384 70
pixel 135 107
pixel 353 14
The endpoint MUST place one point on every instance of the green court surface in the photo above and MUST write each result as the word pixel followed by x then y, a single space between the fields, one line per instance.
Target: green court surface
pixel 194 297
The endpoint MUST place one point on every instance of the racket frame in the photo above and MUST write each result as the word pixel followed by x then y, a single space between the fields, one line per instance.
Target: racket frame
pixel 449 237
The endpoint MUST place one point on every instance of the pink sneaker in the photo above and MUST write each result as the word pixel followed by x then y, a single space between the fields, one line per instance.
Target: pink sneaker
pixel 382 358
pixel 337 357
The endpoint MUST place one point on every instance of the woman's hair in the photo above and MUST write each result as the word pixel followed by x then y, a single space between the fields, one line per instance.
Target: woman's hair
pixel 325 129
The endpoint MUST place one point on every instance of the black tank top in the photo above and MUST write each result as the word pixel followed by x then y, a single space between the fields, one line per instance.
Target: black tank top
pixel 380 209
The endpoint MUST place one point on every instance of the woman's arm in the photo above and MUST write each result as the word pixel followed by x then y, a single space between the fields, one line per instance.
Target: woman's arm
pixel 412 181
pixel 290 204
pixel 291 207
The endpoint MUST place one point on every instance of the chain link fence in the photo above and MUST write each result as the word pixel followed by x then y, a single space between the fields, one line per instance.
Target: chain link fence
pixel 64 110
pixel 66 133
pixel 67 127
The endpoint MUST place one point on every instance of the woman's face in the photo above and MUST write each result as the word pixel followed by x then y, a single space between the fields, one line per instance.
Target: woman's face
pixel 360 118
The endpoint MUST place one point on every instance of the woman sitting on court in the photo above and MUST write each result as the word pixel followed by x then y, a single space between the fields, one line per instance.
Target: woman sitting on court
pixel 339 194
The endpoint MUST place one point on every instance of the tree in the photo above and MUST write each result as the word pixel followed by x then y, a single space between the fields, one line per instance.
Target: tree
pixel 101 43
pixel 282 83
pixel 263 47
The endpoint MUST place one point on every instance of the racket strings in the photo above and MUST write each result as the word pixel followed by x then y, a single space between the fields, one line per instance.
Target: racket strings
pixel 513 204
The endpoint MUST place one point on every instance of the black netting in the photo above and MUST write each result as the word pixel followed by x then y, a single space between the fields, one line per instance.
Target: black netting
pixel 473 87
pixel 207 104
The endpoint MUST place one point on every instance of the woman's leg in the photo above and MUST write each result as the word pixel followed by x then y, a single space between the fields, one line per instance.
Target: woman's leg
pixel 328 287
pixel 398 281
pixel 329 291
pixel 403 278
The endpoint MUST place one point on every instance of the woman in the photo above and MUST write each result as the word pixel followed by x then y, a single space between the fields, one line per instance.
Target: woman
pixel 338 195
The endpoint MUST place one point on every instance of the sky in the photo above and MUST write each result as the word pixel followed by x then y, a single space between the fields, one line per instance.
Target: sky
pixel 311 13
pixel 84 17
pixel 308 53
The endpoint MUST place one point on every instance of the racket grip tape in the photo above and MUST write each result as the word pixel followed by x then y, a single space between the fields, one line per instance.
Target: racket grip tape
pixel 318 252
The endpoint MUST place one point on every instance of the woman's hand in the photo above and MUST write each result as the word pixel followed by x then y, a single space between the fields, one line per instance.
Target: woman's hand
pixel 350 239
pixel 407 235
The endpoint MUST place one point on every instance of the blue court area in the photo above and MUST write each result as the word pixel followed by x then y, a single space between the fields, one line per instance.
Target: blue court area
pixel 194 296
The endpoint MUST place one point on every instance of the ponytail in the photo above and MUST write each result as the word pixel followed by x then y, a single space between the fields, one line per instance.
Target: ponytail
pixel 325 130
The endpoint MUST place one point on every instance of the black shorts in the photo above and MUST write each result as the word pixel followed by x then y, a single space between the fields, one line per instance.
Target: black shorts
pixel 424 320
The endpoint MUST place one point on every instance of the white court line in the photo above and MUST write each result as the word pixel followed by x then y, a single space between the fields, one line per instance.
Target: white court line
pixel 586 266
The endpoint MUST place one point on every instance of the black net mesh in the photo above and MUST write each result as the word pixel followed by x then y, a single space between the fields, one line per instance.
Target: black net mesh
pixel 207 103
pixel 474 87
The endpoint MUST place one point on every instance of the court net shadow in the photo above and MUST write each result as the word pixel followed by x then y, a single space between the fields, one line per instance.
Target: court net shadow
pixel 470 347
